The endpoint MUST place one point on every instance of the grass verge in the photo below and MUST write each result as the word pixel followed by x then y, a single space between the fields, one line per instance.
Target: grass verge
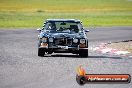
pixel 31 13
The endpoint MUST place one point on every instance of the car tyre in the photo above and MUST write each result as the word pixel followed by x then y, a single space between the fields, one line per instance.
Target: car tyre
pixel 41 52
pixel 83 52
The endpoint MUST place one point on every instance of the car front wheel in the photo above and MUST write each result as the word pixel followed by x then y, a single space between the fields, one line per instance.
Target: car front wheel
pixel 41 52
pixel 83 52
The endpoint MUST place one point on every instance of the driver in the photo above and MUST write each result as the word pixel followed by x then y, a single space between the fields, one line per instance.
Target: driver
pixel 51 26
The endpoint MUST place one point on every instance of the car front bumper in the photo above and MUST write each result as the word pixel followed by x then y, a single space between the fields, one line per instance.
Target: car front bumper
pixel 46 46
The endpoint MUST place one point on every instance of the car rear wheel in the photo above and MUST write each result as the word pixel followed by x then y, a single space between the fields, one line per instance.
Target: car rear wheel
pixel 83 52
pixel 41 52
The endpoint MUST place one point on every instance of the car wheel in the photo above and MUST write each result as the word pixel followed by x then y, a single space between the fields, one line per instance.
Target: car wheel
pixel 83 52
pixel 41 52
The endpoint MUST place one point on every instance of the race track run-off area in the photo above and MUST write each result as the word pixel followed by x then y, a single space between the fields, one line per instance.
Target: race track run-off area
pixel 20 67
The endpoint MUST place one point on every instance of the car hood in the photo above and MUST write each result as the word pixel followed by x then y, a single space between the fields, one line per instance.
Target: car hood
pixel 63 35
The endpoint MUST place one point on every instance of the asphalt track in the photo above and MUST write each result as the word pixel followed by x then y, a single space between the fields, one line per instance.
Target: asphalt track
pixel 20 67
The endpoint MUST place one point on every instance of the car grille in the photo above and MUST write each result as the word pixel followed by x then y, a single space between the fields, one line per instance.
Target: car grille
pixel 63 41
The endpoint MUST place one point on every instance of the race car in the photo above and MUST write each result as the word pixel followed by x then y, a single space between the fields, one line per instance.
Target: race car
pixel 62 36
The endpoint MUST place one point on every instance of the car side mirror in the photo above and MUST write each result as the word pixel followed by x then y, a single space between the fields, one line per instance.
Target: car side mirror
pixel 39 29
pixel 86 30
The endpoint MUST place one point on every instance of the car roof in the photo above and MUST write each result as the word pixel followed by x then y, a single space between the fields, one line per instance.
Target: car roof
pixel 60 20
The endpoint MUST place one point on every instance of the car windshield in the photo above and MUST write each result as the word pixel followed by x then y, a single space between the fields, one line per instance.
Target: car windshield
pixel 63 26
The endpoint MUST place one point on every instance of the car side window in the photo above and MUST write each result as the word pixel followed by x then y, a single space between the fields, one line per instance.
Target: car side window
pixel 80 26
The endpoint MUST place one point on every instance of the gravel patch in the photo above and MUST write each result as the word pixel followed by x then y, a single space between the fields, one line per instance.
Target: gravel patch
pixel 124 46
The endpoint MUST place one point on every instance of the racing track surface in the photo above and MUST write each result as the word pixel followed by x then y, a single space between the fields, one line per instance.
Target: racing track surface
pixel 20 67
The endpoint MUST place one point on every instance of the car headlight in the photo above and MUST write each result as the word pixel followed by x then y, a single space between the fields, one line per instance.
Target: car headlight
pixel 50 39
pixel 75 40
pixel 44 39
pixel 82 41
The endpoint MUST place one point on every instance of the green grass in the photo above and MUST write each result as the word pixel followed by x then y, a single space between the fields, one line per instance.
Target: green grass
pixel 32 13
